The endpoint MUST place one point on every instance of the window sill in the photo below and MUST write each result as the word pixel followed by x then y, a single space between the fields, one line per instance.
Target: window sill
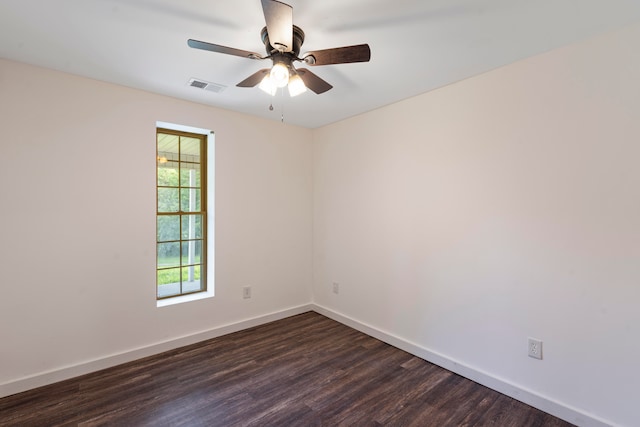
pixel 183 299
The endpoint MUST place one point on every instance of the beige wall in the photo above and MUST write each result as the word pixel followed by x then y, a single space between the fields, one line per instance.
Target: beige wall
pixel 77 222
pixel 505 206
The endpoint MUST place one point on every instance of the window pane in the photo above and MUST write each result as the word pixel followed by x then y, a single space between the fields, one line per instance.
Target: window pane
pixel 189 149
pixel 191 279
pixel 167 143
pixel 190 175
pixel 168 282
pixel 190 200
pixel 168 174
pixel 168 255
pixel 191 252
pixel 168 228
pixel 168 200
pixel 165 291
pixel 191 227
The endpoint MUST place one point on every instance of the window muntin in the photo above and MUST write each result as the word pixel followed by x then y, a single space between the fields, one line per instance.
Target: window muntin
pixel 181 213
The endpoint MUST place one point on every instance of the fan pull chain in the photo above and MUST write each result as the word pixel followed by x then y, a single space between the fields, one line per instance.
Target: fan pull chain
pixel 282 106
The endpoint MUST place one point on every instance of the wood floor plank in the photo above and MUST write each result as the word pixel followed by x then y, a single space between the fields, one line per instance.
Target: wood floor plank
pixel 306 370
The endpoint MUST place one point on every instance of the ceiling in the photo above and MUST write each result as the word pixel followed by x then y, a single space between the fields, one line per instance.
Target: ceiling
pixel 416 46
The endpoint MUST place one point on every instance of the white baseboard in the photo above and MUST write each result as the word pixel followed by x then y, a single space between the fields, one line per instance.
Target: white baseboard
pixel 67 372
pixel 550 406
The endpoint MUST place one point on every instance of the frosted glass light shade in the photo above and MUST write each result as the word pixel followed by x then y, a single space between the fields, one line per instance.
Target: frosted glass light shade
pixel 279 75
pixel 296 86
pixel 267 85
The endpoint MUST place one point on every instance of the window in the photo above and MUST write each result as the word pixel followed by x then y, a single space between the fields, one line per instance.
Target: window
pixel 181 213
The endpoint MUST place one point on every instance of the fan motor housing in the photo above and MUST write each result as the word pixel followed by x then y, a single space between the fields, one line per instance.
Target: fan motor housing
pixel 298 39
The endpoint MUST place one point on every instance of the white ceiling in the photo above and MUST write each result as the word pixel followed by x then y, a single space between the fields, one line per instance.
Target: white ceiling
pixel 416 46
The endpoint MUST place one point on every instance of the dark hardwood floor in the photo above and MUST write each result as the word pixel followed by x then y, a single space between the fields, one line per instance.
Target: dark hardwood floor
pixel 305 370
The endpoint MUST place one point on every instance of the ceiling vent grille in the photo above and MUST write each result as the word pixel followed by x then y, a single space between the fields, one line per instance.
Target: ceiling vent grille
pixel 202 84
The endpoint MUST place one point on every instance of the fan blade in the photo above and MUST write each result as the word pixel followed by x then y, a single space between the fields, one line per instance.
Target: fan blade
pixel 196 44
pixel 279 19
pixel 254 78
pixel 313 82
pixel 339 55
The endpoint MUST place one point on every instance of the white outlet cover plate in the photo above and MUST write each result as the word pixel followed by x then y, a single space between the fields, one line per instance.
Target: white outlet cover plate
pixel 535 348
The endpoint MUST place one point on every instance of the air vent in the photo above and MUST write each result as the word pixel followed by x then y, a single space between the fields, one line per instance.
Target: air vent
pixel 211 87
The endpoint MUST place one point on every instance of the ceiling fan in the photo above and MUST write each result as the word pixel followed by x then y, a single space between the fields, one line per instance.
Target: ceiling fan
pixel 282 41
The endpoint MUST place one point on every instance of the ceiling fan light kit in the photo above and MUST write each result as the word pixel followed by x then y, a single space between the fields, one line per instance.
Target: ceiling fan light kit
pixel 282 41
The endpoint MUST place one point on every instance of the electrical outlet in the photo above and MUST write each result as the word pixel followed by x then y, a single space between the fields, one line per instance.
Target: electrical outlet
pixel 535 348
pixel 246 292
pixel 336 288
